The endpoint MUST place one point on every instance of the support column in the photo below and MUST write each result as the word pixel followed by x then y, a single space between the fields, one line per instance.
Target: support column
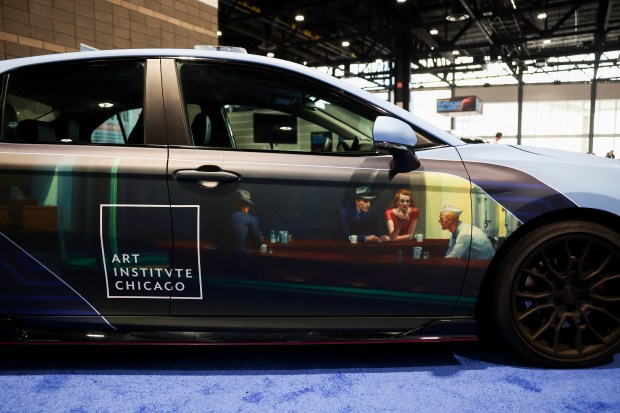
pixel 519 108
pixel 452 95
pixel 592 113
pixel 402 95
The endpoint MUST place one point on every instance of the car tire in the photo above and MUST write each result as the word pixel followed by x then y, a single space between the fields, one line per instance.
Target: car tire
pixel 556 295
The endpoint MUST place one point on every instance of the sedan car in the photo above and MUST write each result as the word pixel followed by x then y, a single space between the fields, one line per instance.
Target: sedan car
pixel 196 196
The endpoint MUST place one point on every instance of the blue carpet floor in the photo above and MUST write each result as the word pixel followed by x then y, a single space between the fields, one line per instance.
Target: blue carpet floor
pixel 346 378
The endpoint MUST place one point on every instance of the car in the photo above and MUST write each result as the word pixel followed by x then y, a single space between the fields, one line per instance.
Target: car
pixel 474 140
pixel 216 197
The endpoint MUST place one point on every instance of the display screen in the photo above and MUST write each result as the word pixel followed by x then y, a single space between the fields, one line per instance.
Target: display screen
pixel 321 141
pixel 463 105
pixel 270 128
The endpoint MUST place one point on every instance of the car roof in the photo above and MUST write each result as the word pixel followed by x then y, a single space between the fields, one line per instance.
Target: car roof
pixel 11 64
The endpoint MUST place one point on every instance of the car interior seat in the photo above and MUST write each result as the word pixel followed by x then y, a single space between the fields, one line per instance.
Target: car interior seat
pixel 201 130
pixel 9 121
pixel 136 136
pixel 31 130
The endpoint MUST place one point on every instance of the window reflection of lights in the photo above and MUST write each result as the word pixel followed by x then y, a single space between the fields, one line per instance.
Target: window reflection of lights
pixel 514 6
pixel 542 16
pixel 286 128
pixel 106 105
pixel 456 52
pixel 433 31
pixel 270 54
pixel 401 1
pixel 321 104
pixel 95 335
pixel 346 44
pixel 219 33
pixel 546 41
pixel 300 18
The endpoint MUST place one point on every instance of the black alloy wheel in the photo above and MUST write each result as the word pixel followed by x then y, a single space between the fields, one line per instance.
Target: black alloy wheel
pixel 557 295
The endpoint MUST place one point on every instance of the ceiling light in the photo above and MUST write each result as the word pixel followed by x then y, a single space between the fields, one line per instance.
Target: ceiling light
pixel 346 44
pixel 433 31
pixel 299 18
pixel 542 16
pixel 456 13
pixel 400 1
pixel 456 52
pixel 106 105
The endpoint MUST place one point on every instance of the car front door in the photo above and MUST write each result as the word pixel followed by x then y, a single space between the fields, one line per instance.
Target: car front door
pixel 290 199
pixel 88 238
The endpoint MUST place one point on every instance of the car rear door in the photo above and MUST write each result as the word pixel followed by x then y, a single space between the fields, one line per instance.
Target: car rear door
pixel 88 238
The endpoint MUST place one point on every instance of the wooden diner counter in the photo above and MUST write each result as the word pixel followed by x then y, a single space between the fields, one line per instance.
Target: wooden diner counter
pixel 341 251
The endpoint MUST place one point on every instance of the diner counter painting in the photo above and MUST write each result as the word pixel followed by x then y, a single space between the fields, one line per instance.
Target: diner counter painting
pixel 307 248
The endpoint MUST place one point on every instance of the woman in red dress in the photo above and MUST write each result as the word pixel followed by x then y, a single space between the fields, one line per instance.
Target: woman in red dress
pixel 401 217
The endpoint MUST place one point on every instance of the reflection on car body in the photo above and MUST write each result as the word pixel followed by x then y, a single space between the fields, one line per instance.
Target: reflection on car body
pixel 179 195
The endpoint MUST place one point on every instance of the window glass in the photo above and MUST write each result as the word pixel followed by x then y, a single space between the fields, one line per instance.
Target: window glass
pixel 250 108
pixel 76 103
pixel 117 128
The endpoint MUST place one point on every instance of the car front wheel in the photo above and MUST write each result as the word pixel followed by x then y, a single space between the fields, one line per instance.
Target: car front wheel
pixel 556 294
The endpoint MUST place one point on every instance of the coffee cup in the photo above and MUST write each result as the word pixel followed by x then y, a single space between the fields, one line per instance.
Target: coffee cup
pixel 353 239
pixel 419 237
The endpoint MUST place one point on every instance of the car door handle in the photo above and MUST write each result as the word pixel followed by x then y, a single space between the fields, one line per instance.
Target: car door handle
pixel 206 175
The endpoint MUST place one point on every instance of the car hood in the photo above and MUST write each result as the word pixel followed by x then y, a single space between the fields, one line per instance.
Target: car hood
pixel 589 181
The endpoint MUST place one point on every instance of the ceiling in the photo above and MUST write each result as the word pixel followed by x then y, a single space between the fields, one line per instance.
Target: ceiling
pixel 503 30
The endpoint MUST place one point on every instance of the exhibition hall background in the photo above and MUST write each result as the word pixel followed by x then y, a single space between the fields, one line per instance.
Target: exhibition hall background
pixel 553 115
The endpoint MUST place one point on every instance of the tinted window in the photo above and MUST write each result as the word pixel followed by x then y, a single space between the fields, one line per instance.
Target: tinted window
pixel 76 103
pixel 256 108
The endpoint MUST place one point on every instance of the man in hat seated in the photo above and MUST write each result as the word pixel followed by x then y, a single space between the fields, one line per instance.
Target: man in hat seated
pixel 244 225
pixel 466 239
pixel 359 220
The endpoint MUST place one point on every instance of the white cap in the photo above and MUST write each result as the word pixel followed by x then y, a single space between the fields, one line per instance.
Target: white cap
pixel 452 208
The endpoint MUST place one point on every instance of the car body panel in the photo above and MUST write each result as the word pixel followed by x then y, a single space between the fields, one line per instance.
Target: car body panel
pixel 575 175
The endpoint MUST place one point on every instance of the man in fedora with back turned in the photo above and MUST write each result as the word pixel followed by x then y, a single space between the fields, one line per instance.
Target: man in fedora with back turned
pixel 359 219
pixel 244 226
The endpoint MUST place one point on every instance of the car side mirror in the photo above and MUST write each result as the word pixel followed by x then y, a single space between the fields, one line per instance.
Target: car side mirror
pixel 398 139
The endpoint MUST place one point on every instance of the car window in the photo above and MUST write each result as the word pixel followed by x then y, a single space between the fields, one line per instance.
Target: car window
pixel 85 103
pixel 246 107
pixel 117 127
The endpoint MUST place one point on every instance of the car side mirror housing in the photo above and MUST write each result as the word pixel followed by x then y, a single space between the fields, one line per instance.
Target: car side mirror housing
pixel 398 139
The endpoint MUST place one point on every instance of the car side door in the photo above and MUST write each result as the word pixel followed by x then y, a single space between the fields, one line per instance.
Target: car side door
pixel 275 179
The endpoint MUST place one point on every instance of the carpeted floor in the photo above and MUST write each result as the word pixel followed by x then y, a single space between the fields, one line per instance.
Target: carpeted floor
pixel 346 378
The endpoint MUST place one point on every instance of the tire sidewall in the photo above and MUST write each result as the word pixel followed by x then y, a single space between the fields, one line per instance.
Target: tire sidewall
pixel 507 277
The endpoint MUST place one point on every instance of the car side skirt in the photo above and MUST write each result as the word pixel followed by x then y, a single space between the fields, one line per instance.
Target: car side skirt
pixel 320 330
